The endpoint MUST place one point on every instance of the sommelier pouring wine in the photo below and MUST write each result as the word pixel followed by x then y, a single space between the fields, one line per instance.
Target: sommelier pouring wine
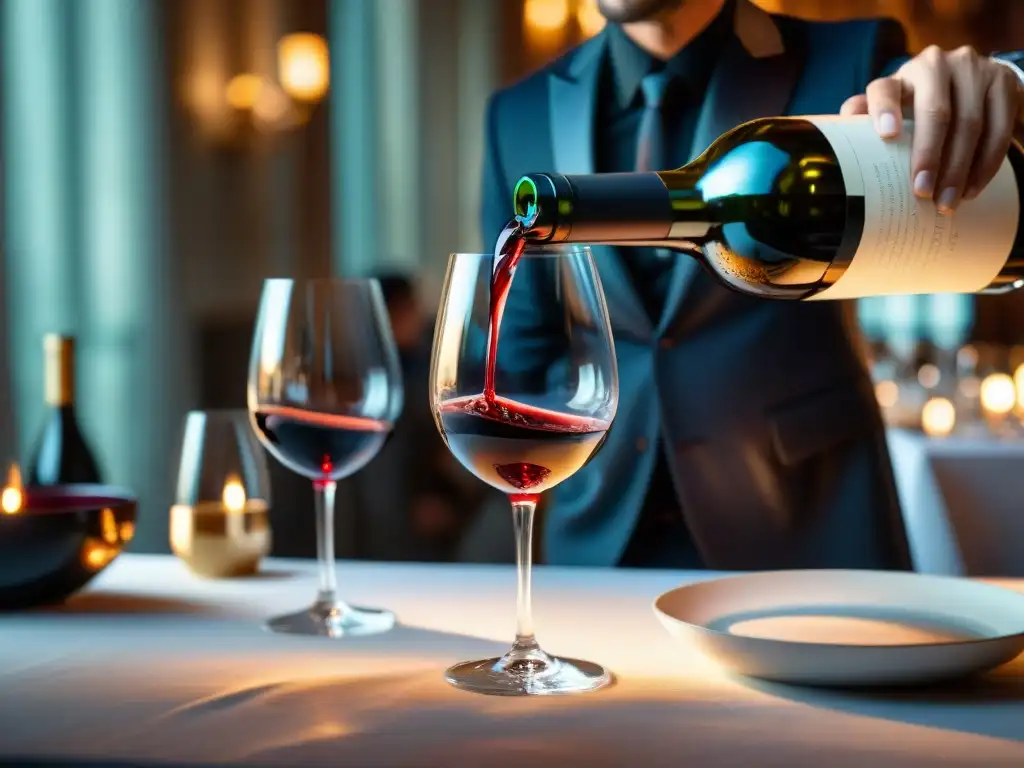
pixel 747 435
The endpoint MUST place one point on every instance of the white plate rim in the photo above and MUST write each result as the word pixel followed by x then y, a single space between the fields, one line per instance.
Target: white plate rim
pixel 663 616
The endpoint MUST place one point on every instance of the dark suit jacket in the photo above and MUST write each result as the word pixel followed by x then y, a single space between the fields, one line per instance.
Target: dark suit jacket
pixel 765 410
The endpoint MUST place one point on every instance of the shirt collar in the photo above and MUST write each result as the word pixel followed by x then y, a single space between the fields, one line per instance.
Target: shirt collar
pixel 692 65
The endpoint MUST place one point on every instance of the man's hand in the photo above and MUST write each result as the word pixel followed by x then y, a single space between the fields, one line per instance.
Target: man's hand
pixel 965 107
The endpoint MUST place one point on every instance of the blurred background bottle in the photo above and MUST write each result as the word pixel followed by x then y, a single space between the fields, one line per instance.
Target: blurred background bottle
pixel 61 454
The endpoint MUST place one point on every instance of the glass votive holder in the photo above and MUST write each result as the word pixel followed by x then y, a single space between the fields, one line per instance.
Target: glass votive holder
pixel 220 521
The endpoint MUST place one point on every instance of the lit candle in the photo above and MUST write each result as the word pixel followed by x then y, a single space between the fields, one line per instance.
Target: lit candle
pixel 12 497
pixel 998 394
pixel 226 537
pixel 233 495
pixel 938 417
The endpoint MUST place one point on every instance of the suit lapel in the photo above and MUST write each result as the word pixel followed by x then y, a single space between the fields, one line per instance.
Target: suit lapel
pixel 754 78
pixel 573 102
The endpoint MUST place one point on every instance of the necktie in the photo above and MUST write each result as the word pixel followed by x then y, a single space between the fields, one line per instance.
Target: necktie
pixel 652 266
pixel 650 149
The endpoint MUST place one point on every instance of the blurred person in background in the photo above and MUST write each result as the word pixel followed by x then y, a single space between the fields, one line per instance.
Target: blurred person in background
pixel 413 501
pixel 763 446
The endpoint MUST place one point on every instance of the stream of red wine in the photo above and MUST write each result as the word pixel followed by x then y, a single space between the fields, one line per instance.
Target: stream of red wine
pixel 509 248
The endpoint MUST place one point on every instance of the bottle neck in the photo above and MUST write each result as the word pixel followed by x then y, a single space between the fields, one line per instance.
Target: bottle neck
pixel 692 215
pixel 614 208
pixel 59 368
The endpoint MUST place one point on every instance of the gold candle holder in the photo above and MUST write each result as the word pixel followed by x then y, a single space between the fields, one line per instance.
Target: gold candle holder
pixel 222 539
pixel 220 523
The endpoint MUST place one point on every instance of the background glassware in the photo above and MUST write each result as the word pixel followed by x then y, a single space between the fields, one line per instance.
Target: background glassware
pixel 220 521
pixel 324 389
pixel 557 392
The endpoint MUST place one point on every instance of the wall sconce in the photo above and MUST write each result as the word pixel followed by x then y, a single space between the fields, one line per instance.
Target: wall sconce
pixel 304 66
pixel 545 15
pixel 247 105
pixel 546 23
pixel 589 18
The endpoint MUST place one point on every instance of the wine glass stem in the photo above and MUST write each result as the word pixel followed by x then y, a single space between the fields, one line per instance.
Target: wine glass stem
pixel 522 519
pixel 323 493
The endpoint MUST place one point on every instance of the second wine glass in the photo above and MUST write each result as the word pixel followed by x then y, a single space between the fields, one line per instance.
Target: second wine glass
pixel 524 388
pixel 324 390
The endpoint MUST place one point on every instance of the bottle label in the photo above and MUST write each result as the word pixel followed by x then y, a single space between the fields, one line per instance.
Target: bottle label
pixel 907 246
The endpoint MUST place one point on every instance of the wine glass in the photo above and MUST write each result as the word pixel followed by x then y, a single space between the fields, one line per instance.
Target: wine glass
pixel 555 391
pixel 324 389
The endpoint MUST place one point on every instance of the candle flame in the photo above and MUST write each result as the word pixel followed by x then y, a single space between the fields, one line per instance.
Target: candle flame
pixel 234 494
pixel 12 497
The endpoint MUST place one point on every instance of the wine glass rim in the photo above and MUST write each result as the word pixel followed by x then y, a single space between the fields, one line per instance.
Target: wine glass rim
pixel 537 251
pixel 349 281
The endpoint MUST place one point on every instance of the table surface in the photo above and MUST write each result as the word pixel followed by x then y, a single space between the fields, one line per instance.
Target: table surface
pixel 152 666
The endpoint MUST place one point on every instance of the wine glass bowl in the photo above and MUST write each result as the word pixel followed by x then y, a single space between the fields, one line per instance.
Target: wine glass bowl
pixel 516 448
pixel 524 388
pixel 324 390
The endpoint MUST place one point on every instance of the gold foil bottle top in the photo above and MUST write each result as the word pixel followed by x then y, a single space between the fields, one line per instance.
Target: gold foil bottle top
pixel 59 369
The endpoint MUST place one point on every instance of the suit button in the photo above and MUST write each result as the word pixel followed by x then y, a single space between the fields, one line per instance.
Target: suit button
pixel 641 444
pixel 665 343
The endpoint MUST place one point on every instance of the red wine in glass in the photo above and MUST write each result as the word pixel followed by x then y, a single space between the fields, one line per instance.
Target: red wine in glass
pixel 320 445
pixel 517 448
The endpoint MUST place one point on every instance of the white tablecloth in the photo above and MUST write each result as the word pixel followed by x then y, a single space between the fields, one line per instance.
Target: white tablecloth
pixel 153 666
pixel 963 502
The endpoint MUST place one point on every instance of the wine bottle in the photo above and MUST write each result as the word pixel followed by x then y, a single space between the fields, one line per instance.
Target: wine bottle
pixel 61 454
pixel 794 208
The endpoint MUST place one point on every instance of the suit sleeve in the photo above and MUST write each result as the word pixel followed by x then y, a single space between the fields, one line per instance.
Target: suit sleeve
pixel 528 345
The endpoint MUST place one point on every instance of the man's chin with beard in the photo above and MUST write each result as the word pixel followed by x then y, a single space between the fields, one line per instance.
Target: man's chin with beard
pixel 626 11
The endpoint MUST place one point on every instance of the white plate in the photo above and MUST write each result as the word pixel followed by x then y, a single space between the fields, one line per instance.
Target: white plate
pixel 843 628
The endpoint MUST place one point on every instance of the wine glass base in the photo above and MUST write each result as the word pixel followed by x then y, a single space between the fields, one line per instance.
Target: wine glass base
pixel 543 676
pixel 334 620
